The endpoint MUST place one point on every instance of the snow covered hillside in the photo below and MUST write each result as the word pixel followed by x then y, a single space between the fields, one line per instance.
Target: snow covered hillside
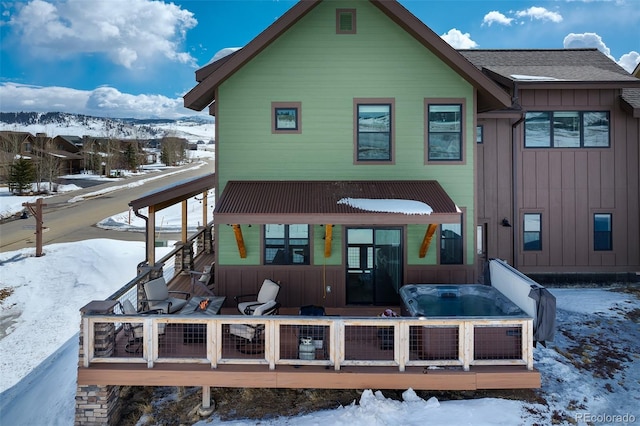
pixel 59 123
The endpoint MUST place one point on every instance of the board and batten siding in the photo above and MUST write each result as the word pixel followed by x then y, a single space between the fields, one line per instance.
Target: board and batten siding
pixel 325 72
pixel 567 186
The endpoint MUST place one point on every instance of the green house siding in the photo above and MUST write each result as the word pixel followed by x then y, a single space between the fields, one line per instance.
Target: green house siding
pixel 326 71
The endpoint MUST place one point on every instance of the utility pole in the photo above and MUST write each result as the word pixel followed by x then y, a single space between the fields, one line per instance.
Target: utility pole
pixel 36 211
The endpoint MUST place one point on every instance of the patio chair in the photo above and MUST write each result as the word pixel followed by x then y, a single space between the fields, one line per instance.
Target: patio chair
pixel 202 279
pixel 158 296
pixel 250 337
pixel 134 331
pixel 268 292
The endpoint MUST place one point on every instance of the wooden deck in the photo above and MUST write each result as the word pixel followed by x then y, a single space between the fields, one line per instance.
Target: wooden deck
pixel 305 377
pixel 351 358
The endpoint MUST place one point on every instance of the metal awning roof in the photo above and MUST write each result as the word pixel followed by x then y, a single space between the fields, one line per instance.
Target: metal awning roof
pixel 175 193
pixel 318 202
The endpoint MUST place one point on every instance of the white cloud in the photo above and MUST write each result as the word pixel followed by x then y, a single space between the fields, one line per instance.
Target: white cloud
pixel 459 40
pixel 539 13
pixel 128 32
pixel 223 52
pixel 585 40
pixel 496 17
pixel 628 61
pixel 102 102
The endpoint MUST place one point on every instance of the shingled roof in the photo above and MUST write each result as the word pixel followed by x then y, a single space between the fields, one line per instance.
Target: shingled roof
pixel 535 66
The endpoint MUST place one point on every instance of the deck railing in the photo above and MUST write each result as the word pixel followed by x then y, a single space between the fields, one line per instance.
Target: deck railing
pixel 329 341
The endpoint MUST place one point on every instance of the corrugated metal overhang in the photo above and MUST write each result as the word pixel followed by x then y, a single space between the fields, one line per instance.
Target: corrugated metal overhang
pixel 316 202
pixel 173 194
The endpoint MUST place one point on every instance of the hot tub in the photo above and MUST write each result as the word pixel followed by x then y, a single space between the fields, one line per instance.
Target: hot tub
pixel 467 301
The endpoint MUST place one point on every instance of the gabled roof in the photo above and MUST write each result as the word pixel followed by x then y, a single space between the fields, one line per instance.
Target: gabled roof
pixel 490 95
pixel 322 202
pixel 535 67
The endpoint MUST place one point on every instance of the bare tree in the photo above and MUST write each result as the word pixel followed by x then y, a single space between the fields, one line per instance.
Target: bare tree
pixel 10 150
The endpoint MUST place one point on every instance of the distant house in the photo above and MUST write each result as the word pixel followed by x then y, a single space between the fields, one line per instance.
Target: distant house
pixel 356 152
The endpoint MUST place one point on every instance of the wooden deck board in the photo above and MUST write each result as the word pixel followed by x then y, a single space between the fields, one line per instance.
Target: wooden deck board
pixel 305 377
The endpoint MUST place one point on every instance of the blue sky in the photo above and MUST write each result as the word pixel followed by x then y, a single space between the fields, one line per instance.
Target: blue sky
pixel 137 58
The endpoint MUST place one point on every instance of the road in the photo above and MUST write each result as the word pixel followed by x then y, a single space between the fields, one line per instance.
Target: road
pixel 69 222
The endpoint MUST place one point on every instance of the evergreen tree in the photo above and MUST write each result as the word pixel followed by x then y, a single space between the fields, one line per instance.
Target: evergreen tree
pixel 21 176
pixel 131 156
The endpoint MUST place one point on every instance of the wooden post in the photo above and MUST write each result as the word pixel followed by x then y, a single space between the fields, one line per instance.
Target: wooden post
pixel 240 241
pixel 36 211
pixel 328 235
pixel 424 247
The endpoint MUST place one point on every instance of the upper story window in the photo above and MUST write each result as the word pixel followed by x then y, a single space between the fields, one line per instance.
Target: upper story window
pixel 26 147
pixel 444 131
pixel 286 244
pixel 451 247
pixel 374 130
pixel 345 21
pixel 566 129
pixel 532 236
pixel 286 117
pixel 602 238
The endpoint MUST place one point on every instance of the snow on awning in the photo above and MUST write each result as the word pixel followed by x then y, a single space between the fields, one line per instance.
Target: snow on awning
pixel 388 205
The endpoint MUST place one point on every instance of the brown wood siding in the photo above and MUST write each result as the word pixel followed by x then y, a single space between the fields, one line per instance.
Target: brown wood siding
pixel 567 186
pixel 299 285
pixel 479 377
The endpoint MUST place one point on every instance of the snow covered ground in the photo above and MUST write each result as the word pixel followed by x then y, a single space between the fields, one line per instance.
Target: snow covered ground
pixel 590 373
pixel 592 369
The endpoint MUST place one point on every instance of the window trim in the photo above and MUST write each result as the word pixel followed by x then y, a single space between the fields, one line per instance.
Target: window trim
pixel 275 106
pixel 610 232
pixel 524 215
pixel 392 137
pixel 581 113
pixel 352 12
pixel 462 102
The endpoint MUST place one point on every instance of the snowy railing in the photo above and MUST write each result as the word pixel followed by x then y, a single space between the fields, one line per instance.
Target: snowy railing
pixel 301 340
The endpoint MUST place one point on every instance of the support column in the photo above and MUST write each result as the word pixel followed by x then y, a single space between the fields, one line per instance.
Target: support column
pixel 98 404
pixel 184 257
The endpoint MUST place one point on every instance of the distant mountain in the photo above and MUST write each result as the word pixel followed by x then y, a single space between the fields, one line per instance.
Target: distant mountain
pixel 62 123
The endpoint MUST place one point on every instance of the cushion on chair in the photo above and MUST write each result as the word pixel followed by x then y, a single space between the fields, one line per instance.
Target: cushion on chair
pixel 261 309
pixel 156 289
pixel 268 291
pixel 127 308
pixel 157 293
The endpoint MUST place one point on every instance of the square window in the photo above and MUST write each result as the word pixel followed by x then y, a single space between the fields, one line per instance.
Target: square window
pixel 596 129
pixel 345 21
pixel 286 244
pixel 537 130
pixel 479 135
pixel 444 142
pixel 451 244
pixel 602 238
pixel 374 131
pixel 566 129
pixel 532 236
pixel 286 117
